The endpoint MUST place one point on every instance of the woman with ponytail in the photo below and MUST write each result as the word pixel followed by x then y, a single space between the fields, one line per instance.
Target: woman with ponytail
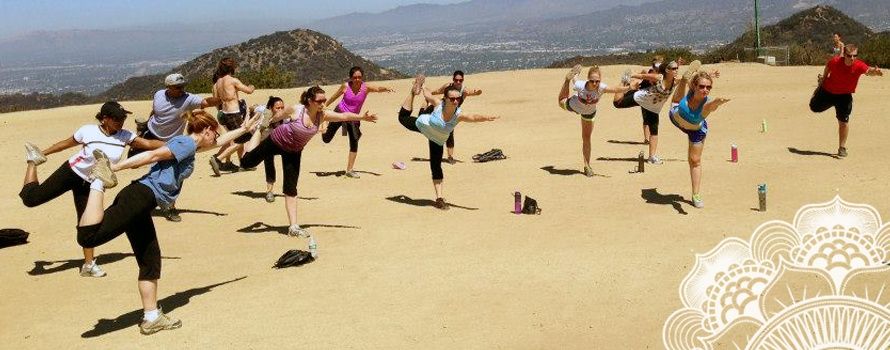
pixel 131 211
pixel 289 139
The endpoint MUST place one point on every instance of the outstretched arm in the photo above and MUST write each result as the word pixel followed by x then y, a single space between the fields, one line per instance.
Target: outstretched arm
pixel 680 91
pixel 375 88
pixel 61 146
pixel 653 77
pixel 712 106
pixel 332 116
pixel 247 89
pixel 874 71
pixel 473 92
pixel 249 125
pixel 612 90
pixel 429 97
pixel 440 90
pixel 477 118
pixel 282 114
pixel 144 158
pixel 207 102
pixel 336 95
pixel 146 144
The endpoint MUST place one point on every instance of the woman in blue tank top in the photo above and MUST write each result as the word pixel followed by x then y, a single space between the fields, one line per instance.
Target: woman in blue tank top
pixel 689 113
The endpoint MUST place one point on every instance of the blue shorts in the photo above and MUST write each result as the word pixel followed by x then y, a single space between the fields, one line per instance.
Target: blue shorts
pixel 695 136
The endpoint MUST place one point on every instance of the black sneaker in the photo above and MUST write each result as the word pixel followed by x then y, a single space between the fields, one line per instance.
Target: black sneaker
pixel 172 214
pixel 228 166
pixel 441 204
pixel 842 152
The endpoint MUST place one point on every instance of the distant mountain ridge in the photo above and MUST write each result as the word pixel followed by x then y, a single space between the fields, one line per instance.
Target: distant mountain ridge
pixel 278 60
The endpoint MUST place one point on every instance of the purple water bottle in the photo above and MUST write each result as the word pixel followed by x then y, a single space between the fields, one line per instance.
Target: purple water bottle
pixel 517 203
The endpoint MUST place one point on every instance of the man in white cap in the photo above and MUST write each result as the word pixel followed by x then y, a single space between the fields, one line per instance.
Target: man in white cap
pixel 166 118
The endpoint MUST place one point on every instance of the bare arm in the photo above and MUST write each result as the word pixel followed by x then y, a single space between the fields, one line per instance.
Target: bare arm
pixel 332 116
pixel 247 89
pixel 477 118
pixel 825 73
pixel 473 92
pixel 440 90
pixel 874 71
pixel 650 77
pixel 612 90
pixel 61 146
pixel 712 106
pixel 248 126
pixel 680 91
pixel 337 95
pixel 210 101
pixel 144 158
pixel 146 144
pixel 429 97
pixel 374 88
pixel 282 114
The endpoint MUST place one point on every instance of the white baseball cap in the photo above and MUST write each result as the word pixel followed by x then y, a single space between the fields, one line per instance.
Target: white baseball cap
pixel 174 80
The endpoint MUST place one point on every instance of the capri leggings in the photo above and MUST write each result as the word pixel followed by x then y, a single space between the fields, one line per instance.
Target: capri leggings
pixel 62 180
pixel 650 118
pixel 436 150
pixel 290 162
pixel 131 214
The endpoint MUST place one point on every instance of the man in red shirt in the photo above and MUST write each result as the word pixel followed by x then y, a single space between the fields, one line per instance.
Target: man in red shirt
pixel 836 88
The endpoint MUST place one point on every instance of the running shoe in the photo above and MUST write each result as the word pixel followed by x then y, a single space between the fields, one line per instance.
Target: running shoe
pixel 171 214
pixel 588 171
pixel 265 120
pixel 697 202
pixel 574 72
pixel 229 166
pixel 691 70
pixel 33 154
pixel 352 174
pixel 441 204
pixel 655 160
pixel 842 152
pixel 625 78
pixel 297 231
pixel 450 160
pixel 163 323
pixel 102 169
pixel 215 166
pixel 92 270
pixel 270 197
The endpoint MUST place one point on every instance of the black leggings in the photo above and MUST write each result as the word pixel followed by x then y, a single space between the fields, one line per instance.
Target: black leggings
pixel 352 130
pixel 269 166
pixel 62 180
pixel 436 150
pixel 823 100
pixel 290 163
pixel 450 142
pixel 131 214
pixel 649 118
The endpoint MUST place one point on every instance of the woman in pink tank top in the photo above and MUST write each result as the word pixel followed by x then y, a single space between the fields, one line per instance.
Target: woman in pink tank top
pixel 354 92
pixel 289 139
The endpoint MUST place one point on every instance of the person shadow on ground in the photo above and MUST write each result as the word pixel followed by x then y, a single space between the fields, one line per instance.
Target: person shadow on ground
pixel 132 318
pixel 651 195
pixel 40 266
pixel 262 227
pixel 422 202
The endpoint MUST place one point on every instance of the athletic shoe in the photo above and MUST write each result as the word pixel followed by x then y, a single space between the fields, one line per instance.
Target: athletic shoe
pixel 229 166
pixel 297 231
pixel 441 204
pixel 417 89
pixel 171 214
pixel 92 270
pixel 691 70
pixel 102 169
pixel 33 154
pixel 655 160
pixel 270 197
pixel 265 119
pixel 625 78
pixel 352 174
pixel 697 202
pixel 450 160
pixel 842 152
pixel 574 72
pixel 588 171
pixel 141 125
pixel 163 323
pixel 215 166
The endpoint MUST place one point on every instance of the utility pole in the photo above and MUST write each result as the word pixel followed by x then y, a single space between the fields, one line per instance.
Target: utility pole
pixel 757 26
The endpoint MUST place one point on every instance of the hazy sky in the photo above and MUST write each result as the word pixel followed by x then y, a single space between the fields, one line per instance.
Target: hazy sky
pixel 19 16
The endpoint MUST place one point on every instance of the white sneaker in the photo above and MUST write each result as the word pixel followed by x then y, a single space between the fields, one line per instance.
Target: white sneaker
pixel 655 160
pixel 625 78
pixel 33 154
pixel 92 270
pixel 588 171
pixel 697 201
pixel 297 231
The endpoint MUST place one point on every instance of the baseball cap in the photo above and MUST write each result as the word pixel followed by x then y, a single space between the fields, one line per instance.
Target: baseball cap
pixel 174 80
pixel 114 110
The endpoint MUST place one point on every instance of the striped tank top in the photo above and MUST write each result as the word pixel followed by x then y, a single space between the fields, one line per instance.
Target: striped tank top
pixel 293 135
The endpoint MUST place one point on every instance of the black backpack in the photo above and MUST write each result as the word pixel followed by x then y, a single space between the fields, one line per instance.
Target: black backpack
pixel 293 257
pixel 12 236
pixel 530 206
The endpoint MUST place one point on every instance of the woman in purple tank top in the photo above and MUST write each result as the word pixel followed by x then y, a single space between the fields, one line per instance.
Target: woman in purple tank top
pixel 289 139
pixel 354 92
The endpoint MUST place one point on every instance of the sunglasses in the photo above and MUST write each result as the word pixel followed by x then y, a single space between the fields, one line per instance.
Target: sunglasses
pixel 673 68
pixel 454 99
pixel 706 87
pixel 458 80
pixel 357 77
pixel 320 101
pixel 595 81
pixel 851 56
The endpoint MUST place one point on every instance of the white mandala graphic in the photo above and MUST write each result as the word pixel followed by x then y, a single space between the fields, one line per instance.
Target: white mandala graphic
pixel 818 283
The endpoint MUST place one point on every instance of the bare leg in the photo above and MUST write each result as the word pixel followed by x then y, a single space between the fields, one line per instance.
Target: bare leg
pixel 95 210
pixel 350 162
pixel 148 290
pixel 255 140
pixel 290 205
pixel 230 149
pixel 30 173
pixel 437 186
pixel 843 129
pixel 88 255
pixel 695 151
pixel 269 186
pixel 646 134
pixel 564 91
pixel 586 131
pixel 653 145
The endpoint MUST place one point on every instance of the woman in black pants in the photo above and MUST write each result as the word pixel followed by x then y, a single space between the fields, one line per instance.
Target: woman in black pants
pixel 131 211
pixel 275 105
pixel 72 175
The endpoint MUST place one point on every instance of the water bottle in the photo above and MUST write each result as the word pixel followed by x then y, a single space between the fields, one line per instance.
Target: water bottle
pixel 517 203
pixel 763 126
pixel 761 195
pixel 313 247
pixel 641 163
pixel 734 153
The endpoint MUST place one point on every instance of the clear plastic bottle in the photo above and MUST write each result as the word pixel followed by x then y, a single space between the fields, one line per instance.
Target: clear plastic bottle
pixel 313 247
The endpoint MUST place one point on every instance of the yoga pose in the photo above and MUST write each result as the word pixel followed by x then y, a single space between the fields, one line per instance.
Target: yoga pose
pixel 436 122
pixel 131 211
pixel 72 175
pixel 274 105
pixel 836 87
pixel 688 113
pixel 232 110
pixel 457 81
pixel 354 93
pixel 583 102
pixel 289 139
pixel 166 119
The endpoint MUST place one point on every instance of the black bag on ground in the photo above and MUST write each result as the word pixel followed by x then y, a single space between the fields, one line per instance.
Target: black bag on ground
pixel 12 236
pixel 530 206
pixel 494 154
pixel 293 257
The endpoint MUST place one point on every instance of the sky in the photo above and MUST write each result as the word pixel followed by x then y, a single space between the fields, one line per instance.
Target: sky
pixel 21 16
